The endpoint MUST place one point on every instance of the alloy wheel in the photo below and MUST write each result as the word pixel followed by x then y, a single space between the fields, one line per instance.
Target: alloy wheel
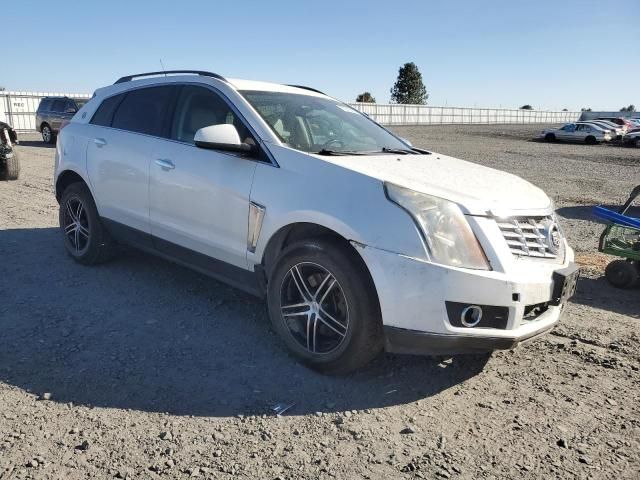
pixel 46 134
pixel 76 225
pixel 314 308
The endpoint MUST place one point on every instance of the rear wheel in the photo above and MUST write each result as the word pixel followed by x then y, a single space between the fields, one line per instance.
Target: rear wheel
pixel 622 273
pixel 323 304
pixel 590 140
pixel 636 142
pixel 550 137
pixel 47 134
pixel 85 238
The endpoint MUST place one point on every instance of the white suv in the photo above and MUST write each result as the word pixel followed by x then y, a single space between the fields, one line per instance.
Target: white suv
pixel 358 241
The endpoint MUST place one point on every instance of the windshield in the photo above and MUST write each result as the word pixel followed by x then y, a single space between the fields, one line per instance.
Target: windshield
pixel 320 125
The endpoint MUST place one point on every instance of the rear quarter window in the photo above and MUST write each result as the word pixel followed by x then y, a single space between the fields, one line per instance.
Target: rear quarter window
pixel 104 113
pixel 45 105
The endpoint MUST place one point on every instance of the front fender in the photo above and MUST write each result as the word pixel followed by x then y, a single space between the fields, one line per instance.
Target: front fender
pixel 308 190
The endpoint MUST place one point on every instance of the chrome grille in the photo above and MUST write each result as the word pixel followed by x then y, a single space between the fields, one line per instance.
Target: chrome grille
pixel 531 237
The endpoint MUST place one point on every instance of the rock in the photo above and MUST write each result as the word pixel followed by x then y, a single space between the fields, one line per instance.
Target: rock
pixel 217 453
pixel 347 414
pixel 408 430
pixel 73 431
pixel 166 436
pixel 84 446
pixel 32 463
pixel 584 459
pixel 611 401
pixel 562 443
pixel 45 396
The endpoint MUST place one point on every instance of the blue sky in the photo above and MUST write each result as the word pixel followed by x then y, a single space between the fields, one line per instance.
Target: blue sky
pixel 550 54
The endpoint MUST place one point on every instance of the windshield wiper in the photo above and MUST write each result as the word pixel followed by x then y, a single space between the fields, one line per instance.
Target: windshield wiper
pixel 326 151
pixel 404 151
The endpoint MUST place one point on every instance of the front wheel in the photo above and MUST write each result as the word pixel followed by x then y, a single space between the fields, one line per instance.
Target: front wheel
pixel 85 238
pixel 550 137
pixel 323 304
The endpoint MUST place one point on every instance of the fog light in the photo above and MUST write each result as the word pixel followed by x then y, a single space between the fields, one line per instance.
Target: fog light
pixel 471 316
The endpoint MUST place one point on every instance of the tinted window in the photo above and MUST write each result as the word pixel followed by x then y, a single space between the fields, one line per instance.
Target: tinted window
pixel 199 107
pixel 45 105
pixel 104 114
pixel 143 110
pixel 58 105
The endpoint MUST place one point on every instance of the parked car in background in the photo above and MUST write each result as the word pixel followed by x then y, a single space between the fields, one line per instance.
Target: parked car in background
pixel 53 113
pixel 616 130
pixel 632 138
pixel 272 187
pixel 623 122
pixel 577 132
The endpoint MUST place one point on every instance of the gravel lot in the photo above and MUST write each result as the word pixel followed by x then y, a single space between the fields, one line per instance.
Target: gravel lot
pixel 142 369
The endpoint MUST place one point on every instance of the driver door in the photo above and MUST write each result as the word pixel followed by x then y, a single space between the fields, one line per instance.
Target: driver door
pixel 199 198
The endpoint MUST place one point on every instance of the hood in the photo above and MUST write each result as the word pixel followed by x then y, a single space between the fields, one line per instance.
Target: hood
pixel 477 189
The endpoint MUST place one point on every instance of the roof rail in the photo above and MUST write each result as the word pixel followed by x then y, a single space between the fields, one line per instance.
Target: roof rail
pixel 307 88
pixel 128 78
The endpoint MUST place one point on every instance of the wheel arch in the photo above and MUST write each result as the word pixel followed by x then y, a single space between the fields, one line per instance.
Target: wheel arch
pixel 66 178
pixel 303 230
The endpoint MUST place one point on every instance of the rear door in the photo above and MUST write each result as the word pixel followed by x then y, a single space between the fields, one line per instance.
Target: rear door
pixel 199 198
pixel 126 129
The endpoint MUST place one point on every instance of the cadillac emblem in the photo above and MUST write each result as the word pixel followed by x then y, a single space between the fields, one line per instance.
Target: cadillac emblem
pixel 554 238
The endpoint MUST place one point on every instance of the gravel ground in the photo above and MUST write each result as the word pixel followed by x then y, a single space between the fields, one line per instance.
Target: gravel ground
pixel 142 369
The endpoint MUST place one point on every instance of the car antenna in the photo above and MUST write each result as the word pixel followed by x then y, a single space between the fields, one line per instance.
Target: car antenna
pixel 162 65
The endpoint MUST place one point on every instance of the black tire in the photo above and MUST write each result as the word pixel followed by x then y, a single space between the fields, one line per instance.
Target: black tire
pixel 96 245
pixel 47 134
pixel 636 142
pixel 550 137
pixel 12 167
pixel 590 140
pixel 622 273
pixel 362 339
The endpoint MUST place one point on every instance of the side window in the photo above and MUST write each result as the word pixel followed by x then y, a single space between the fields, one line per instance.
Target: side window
pixel 45 105
pixel 104 113
pixel 579 128
pixel 199 107
pixel 58 105
pixel 70 105
pixel 143 110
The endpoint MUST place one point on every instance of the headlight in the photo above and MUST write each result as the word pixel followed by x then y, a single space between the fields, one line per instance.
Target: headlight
pixel 447 236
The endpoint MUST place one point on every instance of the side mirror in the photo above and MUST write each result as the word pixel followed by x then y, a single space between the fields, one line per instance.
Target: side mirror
pixel 222 137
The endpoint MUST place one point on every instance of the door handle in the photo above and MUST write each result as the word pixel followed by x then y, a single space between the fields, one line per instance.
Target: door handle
pixel 165 164
pixel 100 142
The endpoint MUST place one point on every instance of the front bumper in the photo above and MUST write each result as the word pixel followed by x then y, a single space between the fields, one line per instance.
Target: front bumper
pixel 400 340
pixel 413 297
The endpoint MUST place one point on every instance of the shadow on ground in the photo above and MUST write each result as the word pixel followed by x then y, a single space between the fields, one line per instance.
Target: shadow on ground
pixel 598 293
pixel 36 143
pixel 144 334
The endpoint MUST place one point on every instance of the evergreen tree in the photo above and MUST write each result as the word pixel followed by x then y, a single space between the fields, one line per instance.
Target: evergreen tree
pixel 409 88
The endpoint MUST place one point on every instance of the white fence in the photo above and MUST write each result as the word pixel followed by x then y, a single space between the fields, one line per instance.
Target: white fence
pixel 428 115
pixel 18 109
